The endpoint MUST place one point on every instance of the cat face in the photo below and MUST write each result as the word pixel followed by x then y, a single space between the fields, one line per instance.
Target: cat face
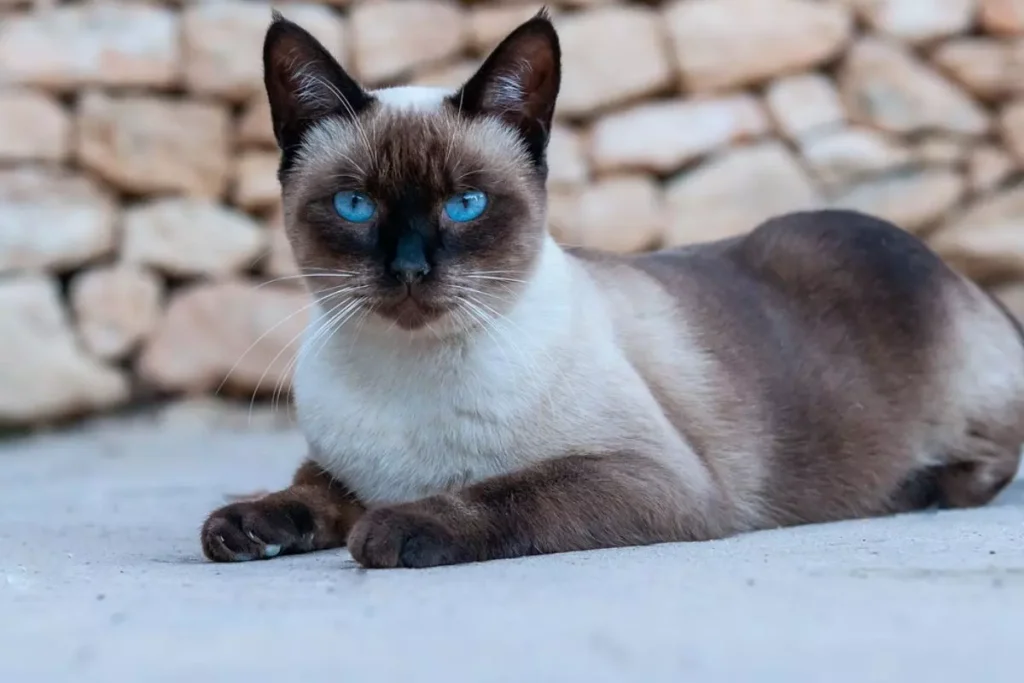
pixel 420 207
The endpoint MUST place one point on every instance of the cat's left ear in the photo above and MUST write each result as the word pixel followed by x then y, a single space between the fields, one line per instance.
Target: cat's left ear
pixel 518 82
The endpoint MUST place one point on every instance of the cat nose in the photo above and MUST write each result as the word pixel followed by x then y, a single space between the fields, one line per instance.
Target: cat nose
pixel 410 263
pixel 409 272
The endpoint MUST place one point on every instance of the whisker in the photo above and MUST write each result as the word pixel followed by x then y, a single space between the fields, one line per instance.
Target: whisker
pixel 367 311
pixel 496 278
pixel 325 272
pixel 352 162
pixel 286 278
pixel 258 340
pixel 491 272
pixel 331 327
pixel 285 375
pixel 454 128
pixel 462 288
pixel 348 108
pixel 486 323
pixel 530 362
pixel 284 348
pixel 335 313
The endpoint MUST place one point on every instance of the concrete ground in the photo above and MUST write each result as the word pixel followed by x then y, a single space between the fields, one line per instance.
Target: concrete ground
pixel 101 579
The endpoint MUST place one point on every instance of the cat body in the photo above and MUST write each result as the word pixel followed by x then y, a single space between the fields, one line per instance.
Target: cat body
pixel 609 362
pixel 471 390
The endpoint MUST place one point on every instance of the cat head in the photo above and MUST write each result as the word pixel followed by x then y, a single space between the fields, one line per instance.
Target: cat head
pixel 424 207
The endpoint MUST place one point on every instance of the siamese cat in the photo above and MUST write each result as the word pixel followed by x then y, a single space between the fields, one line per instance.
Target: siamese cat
pixel 470 390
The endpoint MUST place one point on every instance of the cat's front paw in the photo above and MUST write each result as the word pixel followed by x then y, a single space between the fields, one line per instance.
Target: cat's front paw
pixel 256 530
pixel 400 537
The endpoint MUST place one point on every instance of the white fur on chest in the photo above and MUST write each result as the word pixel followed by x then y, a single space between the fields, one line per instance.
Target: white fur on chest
pixel 396 420
pixel 412 431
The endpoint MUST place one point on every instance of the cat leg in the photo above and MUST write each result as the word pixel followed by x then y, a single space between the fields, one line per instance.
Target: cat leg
pixel 981 468
pixel 571 503
pixel 314 513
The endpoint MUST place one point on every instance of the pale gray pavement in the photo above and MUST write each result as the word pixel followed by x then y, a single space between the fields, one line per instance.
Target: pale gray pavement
pixel 101 580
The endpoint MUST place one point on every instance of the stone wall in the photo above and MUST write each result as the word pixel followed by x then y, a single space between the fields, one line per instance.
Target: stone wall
pixel 141 250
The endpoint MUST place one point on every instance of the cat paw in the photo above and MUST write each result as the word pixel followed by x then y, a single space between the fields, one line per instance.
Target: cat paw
pixel 256 530
pixel 392 537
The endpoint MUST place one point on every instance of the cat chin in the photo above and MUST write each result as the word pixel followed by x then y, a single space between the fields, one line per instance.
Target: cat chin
pixel 411 316
pixel 410 321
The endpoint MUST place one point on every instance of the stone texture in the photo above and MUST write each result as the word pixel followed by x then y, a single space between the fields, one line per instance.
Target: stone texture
pixel 611 55
pixel 489 24
pixel 230 332
pixel 563 212
pixel 805 104
pixel 567 163
pixel 280 262
pixel 1002 17
pixel 255 180
pixel 732 192
pixel 223 42
pixel 987 167
pixel 913 199
pixel 1011 128
pixel 981 65
pixel 33 127
pixel 622 213
pixel 915 21
pixel 986 242
pixel 97 44
pixel 135 133
pixel 188 237
pixel 940 150
pixel 728 43
pixel 254 125
pixel 885 86
pixel 115 308
pixel 391 37
pixel 663 136
pixel 149 144
pixel 206 414
pixel 52 219
pixel 45 374
pixel 852 154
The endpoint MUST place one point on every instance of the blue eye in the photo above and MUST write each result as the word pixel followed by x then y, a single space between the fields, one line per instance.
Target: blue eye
pixel 466 206
pixel 354 207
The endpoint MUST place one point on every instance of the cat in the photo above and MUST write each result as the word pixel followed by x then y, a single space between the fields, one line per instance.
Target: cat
pixel 470 390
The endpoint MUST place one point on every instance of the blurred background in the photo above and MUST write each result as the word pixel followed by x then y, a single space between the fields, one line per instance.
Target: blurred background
pixel 142 259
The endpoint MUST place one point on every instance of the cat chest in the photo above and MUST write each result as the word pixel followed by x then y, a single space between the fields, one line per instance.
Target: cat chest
pixel 394 447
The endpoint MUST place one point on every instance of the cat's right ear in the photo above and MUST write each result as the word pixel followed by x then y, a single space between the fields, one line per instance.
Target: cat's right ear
pixel 304 84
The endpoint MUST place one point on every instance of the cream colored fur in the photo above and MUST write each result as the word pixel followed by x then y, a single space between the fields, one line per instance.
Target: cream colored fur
pixel 400 417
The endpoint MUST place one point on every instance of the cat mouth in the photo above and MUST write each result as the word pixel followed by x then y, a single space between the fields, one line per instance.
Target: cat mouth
pixel 410 310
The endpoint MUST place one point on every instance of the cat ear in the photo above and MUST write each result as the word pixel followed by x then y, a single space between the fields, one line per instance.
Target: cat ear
pixel 518 82
pixel 304 84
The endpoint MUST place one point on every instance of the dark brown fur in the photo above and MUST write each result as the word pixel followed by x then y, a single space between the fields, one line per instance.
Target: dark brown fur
pixel 579 502
pixel 814 310
pixel 314 513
